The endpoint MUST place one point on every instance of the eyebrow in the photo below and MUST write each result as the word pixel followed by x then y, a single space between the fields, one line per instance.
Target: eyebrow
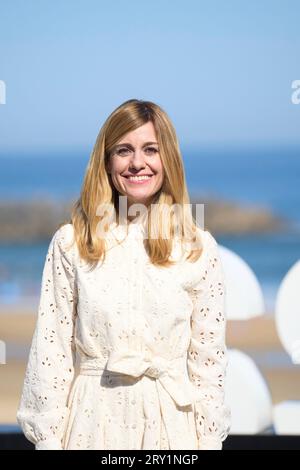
pixel 129 145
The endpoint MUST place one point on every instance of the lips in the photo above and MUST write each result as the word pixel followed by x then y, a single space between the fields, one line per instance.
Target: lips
pixel 138 181
pixel 127 176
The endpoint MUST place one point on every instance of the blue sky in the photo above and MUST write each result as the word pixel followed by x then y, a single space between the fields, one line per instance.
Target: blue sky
pixel 221 69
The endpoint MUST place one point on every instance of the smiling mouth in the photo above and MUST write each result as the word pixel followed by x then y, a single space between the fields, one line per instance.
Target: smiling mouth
pixel 138 178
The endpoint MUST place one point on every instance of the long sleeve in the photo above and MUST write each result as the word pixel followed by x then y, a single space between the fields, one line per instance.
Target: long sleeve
pixel 207 354
pixel 43 411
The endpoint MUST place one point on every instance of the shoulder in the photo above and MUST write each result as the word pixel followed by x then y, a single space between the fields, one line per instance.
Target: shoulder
pixel 63 240
pixel 197 271
pixel 204 241
pixel 212 255
pixel 208 241
pixel 211 252
pixel 65 233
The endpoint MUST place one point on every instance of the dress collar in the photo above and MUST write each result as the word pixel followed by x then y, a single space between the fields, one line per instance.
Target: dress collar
pixel 123 230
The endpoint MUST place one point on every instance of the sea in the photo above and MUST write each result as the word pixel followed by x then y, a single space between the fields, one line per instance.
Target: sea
pixel 266 177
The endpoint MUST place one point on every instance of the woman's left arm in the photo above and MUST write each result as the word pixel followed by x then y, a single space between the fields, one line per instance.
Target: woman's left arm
pixel 207 354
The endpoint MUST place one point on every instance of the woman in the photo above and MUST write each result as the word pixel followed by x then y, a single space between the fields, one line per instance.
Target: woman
pixel 139 306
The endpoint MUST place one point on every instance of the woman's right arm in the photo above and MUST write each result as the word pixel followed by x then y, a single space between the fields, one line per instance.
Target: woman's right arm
pixel 43 411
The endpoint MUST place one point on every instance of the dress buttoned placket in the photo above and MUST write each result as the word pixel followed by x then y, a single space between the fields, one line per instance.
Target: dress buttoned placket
pixel 135 285
pixel 134 315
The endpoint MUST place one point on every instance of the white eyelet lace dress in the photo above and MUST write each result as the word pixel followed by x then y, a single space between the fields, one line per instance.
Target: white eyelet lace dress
pixel 128 355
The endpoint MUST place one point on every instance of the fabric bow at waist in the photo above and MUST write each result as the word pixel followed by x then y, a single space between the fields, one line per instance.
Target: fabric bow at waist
pixel 171 373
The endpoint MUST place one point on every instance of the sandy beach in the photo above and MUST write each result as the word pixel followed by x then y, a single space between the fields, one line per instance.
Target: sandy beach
pixel 257 337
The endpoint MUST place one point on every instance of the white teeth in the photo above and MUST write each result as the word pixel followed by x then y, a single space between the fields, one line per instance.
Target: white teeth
pixel 139 178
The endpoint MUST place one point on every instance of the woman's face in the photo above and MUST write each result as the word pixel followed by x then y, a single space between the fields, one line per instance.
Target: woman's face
pixel 137 154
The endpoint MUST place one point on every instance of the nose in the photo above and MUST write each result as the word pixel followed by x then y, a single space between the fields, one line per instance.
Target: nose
pixel 137 160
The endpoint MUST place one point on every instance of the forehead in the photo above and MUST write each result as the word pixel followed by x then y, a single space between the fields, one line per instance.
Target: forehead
pixel 144 133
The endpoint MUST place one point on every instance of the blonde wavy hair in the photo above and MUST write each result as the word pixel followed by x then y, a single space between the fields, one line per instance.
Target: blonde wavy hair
pixel 98 189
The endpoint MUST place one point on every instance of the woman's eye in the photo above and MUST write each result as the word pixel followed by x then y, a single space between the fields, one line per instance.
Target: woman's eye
pixel 123 151
pixel 152 149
